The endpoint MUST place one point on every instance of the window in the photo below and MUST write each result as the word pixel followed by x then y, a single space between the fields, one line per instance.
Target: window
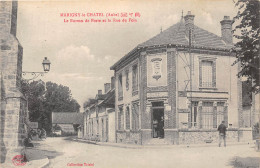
pixel 97 127
pixel 207 115
pixel 135 116
pixel 127 118
pixel 135 78
pixel 194 114
pixel 220 113
pixel 120 87
pixel 208 73
pixel 120 119
pixel 127 79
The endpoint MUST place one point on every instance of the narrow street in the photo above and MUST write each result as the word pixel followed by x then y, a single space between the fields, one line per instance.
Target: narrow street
pixel 64 153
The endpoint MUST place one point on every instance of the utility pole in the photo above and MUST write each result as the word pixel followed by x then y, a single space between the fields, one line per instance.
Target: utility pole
pixel 190 74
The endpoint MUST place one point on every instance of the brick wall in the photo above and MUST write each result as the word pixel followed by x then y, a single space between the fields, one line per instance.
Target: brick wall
pixel 171 66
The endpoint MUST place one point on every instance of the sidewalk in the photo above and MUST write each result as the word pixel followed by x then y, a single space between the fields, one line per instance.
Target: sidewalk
pixel 133 146
pixel 35 157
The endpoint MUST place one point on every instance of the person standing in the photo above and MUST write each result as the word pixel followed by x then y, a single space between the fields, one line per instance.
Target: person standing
pixel 222 133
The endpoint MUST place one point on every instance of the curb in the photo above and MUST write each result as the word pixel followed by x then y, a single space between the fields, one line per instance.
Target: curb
pixel 130 146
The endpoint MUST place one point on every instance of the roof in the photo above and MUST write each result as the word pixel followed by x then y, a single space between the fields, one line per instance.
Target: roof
pixel 67 118
pixel 109 101
pixel 175 35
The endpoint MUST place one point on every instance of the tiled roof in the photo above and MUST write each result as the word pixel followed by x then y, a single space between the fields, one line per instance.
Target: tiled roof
pixel 176 35
pixel 67 118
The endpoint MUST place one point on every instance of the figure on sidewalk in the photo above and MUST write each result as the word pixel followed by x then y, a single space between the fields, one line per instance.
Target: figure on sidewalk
pixel 222 133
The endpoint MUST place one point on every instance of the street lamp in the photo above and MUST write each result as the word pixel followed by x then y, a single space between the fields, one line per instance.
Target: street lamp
pixel 46 68
pixel 46 65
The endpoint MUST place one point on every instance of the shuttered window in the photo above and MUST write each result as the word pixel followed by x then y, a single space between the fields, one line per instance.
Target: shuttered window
pixel 207 73
pixel 135 116
pixel 207 115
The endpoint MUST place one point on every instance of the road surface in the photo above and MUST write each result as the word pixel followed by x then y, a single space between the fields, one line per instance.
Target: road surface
pixel 66 153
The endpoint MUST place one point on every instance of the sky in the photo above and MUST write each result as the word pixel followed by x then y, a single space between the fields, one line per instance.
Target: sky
pixel 81 54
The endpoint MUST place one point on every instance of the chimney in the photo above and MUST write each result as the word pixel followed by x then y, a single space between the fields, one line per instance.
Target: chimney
pixel 189 24
pixel 226 30
pixel 107 87
pixel 99 92
pixel 112 82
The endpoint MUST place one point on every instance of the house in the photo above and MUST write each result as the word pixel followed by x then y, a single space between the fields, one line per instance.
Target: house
pixel 178 86
pixel 67 122
pixel 99 115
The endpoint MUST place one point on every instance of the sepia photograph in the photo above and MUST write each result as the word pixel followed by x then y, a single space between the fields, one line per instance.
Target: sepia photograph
pixel 130 84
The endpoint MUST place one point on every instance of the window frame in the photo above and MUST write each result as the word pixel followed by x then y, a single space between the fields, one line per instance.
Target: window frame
pixel 213 84
pixel 135 77
pixel 120 86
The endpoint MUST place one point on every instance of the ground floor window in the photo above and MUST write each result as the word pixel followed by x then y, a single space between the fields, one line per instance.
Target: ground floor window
pixel 135 116
pixel 127 118
pixel 120 119
pixel 194 114
pixel 220 113
pixel 207 115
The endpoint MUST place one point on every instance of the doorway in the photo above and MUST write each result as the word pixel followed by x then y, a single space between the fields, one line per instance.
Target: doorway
pixel 158 122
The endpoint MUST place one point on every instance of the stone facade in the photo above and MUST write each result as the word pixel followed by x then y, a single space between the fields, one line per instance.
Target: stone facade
pixel 13 104
pixel 189 107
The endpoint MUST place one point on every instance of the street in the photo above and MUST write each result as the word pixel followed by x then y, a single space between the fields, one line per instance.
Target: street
pixel 67 153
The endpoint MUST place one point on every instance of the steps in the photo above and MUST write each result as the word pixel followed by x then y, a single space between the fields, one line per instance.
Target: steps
pixel 157 141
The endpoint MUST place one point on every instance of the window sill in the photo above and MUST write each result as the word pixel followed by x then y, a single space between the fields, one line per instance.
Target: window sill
pixel 208 88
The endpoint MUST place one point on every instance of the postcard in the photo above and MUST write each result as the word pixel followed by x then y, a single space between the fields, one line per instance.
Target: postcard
pixel 129 84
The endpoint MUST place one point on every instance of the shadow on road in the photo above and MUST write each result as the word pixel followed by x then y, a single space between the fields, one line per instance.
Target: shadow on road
pixel 247 162
pixel 46 151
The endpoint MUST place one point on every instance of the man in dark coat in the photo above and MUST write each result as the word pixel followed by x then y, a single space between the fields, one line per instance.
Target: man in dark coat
pixel 222 133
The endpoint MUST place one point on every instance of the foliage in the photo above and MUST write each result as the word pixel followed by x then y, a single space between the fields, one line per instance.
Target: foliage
pixel 89 102
pixel 247 47
pixel 43 99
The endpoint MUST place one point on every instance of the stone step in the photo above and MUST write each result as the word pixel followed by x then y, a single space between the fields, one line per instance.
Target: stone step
pixel 157 141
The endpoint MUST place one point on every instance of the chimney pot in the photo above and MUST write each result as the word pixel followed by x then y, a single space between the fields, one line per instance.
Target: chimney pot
pixel 99 92
pixel 107 87
pixel 226 30
pixel 112 82
pixel 189 25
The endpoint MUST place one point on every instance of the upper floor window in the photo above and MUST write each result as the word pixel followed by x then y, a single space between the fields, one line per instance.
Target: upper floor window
pixel 135 78
pixel 127 79
pixel 120 87
pixel 208 73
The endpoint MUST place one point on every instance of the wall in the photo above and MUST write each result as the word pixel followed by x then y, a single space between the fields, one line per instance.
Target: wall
pixel 128 95
pixel 112 127
pixel 13 116
pixel 228 86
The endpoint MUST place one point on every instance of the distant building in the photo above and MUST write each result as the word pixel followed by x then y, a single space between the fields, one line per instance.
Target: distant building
pixel 178 86
pixel 99 115
pixel 67 122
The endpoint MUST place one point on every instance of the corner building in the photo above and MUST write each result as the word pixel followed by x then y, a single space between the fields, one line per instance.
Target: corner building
pixel 178 86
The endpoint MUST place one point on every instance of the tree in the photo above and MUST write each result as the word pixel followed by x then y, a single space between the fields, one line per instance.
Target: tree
pixel 43 99
pixel 247 47
pixel 34 92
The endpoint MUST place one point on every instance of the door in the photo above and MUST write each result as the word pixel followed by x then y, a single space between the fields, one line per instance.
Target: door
pixel 158 122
